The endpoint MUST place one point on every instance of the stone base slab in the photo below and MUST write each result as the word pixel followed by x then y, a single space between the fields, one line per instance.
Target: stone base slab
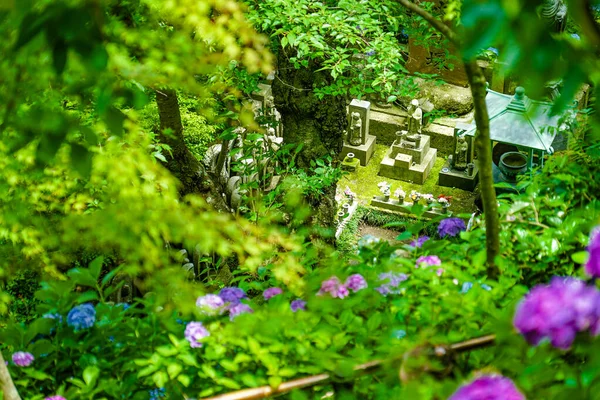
pixel 458 179
pixel 417 173
pixel 350 165
pixel 363 152
pixel 404 208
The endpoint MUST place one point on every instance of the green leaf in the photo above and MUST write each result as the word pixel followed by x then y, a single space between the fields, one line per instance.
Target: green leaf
pixel 185 380
pixel 114 119
pixel 35 374
pixel 82 276
pixel 81 160
pixel 90 375
pixel 174 369
pixel 160 379
pixel 580 257
pixel 30 27
pixel 275 381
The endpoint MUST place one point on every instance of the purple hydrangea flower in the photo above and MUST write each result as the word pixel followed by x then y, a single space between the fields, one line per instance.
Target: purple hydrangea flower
pixel 451 227
pixel 82 316
pixel 232 295
pixel 393 281
pixel 271 292
pixel 298 304
pixel 488 387
pixel 356 282
pixel 195 331
pixel 57 397
pixel 419 241
pixel 334 287
pixel 238 309
pixel 558 311
pixel 22 359
pixel 428 261
pixel 592 266
pixel 210 304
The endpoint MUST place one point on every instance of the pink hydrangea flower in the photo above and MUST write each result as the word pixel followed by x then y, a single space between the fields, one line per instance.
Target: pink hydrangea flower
pixel 210 304
pixel 57 397
pixel 489 387
pixel 428 261
pixel 23 359
pixel 239 309
pixel 334 287
pixel 195 331
pixel 356 282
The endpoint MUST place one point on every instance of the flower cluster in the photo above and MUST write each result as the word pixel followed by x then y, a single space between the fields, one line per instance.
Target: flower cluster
pixel 451 227
pixel 384 188
pixel 428 196
pixel 349 193
pixel 22 359
pixel 238 309
pixel 419 241
pixel 428 261
pixel 271 292
pixel 57 397
pixel 559 311
pixel 210 304
pixel 392 284
pixel 232 295
pixel 82 317
pixel 336 289
pixel 415 196
pixel 156 394
pixel 195 331
pixel 592 266
pixel 298 304
pixel 488 387
pixel 399 193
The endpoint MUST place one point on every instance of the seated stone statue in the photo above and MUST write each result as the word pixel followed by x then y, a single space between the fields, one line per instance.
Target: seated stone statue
pixel 460 155
pixel 407 140
pixel 355 131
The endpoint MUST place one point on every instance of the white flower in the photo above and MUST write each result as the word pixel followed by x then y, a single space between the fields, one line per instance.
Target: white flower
pixel 399 193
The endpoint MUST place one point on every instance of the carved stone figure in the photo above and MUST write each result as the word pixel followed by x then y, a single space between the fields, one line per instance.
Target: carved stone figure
pixel 355 131
pixel 415 118
pixel 555 14
pixel 460 155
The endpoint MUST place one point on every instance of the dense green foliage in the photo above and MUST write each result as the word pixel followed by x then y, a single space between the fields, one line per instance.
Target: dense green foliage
pixel 85 198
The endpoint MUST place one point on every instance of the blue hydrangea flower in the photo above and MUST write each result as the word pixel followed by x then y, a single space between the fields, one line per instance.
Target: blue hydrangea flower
pixel 466 287
pixel 370 53
pixel 156 394
pixel 391 286
pixel 486 287
pixel 575 36
pixel 451 227
pixel 82 317
pixel 232 295
pixel 494 50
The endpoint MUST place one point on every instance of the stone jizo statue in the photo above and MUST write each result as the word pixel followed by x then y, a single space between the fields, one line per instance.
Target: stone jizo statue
pixel 355 131
pixel 415 118
pixel 460 155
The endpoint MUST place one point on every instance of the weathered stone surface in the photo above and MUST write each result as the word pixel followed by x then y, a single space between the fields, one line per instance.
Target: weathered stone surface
pixel 425 60
pixel 363 152
pixel 454 99
pixel 458 179
pixel 384 126
pixel 442 138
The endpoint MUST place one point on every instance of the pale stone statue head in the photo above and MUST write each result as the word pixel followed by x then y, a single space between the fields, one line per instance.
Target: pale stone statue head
pixel 414 103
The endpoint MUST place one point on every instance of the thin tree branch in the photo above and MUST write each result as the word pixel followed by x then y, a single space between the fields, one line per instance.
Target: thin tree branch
pixel 6 382
pixel 367 368
pixel 433 21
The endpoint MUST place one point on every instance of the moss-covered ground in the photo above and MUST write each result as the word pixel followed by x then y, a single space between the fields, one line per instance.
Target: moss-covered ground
pixel 364 182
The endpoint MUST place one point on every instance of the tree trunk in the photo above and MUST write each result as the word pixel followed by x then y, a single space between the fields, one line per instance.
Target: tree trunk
pixel 484 154
pixel 182 163
pixel 317 124
pixel 6 382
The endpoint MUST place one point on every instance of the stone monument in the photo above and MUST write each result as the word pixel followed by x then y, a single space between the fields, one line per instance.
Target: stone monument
pixel 410 157
pixel 357 139
pixel 460 170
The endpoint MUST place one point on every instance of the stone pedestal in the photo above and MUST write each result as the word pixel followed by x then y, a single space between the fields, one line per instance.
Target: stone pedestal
pixel 363 152
pixel 458 179
pixel 350 165
pixel 406 164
